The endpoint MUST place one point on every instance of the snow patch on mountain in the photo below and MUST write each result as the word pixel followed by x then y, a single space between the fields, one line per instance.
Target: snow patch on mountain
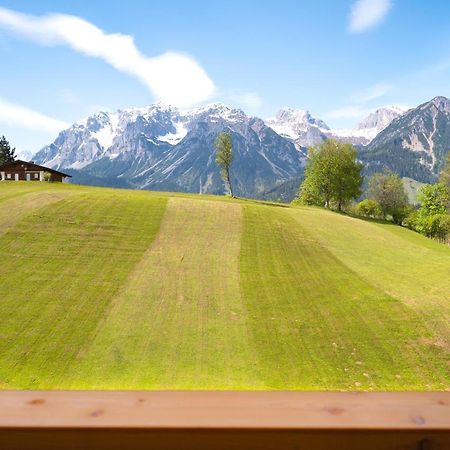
pixel 173 138
pixel 105 135
pixel 291 123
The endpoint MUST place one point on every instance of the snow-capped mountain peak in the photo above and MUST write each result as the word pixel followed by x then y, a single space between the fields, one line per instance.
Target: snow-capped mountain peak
pixel 300 117
pixel 305 130
pixel 299 126
pixel 163 147
pixel 215 111
pixel 381 118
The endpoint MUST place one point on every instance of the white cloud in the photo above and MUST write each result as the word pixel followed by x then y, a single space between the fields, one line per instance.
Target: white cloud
pixel 366 14
pixel 23 117
pixel 372 93
pixel 172 77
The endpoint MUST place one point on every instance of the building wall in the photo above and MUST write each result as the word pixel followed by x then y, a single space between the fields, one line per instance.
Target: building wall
pixel 10 175
pixel 27 172
pixel 57 178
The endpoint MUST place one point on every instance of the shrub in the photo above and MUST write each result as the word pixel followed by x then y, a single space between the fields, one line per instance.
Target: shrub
pixel 433 217
pixel 436 226
pixel 47 176
pixel 412 220
pixel 369 208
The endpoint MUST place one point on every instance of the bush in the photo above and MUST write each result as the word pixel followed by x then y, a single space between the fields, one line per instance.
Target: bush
pixel 47 176
pixel 400 214
pixel 437 226
pixel 369 208
pixel 433 217
pixel 412 220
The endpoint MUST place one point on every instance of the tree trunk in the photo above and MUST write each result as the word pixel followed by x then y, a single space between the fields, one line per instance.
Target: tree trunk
pixel 230 188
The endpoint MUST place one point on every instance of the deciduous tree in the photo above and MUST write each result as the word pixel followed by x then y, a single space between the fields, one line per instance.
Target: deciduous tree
pixel 224 158
pixel 332 174
pixel 388 190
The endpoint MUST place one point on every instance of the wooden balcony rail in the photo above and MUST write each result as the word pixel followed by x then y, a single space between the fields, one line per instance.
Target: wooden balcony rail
pixel 224 420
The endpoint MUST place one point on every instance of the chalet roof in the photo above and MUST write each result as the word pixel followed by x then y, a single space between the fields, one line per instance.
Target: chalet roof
pixel 31 165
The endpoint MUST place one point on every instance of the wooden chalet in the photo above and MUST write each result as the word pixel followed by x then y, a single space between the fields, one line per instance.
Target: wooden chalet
pixel 29 171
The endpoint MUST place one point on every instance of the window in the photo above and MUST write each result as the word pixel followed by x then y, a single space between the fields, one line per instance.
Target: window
pixel 36 176
pixel 8 176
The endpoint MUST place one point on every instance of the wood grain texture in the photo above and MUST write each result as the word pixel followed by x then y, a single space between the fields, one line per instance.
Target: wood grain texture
pixel 226 410
pixel 75 420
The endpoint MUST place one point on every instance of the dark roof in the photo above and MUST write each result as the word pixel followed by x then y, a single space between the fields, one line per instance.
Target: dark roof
pixel 34 167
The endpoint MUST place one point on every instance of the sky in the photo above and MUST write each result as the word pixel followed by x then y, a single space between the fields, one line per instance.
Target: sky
pixel 339 59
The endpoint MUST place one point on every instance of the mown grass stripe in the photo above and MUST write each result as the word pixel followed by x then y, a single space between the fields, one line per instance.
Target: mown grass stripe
pixel 399 262
pixel 108 289
pixel 16 207
pixel 318 325
pixel 60 269
pixel 178 323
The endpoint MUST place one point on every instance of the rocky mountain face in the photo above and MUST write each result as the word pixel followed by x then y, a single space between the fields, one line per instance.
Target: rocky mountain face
pixel 381 118
pixel 299 126
pixel 414 144
pixel 163 148
pixel 304 130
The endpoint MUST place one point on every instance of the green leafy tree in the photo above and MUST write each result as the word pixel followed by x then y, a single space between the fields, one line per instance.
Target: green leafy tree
pixel 332 175
pixel 369 208
pixel 224 158
pixel 433 217
pixel 388 190
pixel 434 199
pixel 444 176
pixel 7 154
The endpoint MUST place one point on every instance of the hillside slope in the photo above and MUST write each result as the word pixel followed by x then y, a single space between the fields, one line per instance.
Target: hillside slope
pixel 118 289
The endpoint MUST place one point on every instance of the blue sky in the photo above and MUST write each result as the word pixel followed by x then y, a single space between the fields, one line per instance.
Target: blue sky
pixel 340 59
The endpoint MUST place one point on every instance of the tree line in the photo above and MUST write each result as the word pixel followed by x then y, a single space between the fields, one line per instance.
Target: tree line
pixel 334 180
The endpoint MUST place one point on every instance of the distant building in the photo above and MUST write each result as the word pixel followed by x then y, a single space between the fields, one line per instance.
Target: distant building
pixel 28 171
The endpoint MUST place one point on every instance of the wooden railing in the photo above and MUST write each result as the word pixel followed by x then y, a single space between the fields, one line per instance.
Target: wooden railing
pixel 224 420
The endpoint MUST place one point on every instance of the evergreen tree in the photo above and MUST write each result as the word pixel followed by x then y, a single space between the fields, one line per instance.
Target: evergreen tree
pixel 7 154
pixel 332 174
pixel 224 158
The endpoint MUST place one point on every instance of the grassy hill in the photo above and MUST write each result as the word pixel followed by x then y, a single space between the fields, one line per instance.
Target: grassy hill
pixel 118 289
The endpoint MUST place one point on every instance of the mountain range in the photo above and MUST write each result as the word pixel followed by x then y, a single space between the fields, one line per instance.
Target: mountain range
pixel 161 147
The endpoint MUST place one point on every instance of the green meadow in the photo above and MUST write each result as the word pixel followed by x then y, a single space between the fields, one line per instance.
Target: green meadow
pixel 120 289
